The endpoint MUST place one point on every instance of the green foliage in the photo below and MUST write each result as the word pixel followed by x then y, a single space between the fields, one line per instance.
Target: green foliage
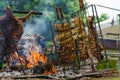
pixel 110 64
pixel 3 4
pixel 103 17
pixel 48 44
pixel 68 6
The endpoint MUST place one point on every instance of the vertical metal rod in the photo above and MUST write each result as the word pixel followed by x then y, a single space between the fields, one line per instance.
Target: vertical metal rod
pixel 76 47
pixel 57 13
pixel 118 19
pixel 52 32
pixel 77 61
pixel 54 43
pixel 96 42
pixel 119 53
pixel 19 57
pixel 100 32
pixel 89 50
pixel 7 57
pixel 60 10
pixel 79 56
pixel 52 38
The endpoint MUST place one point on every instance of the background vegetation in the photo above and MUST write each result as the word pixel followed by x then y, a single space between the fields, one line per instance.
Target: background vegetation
pixel 47 7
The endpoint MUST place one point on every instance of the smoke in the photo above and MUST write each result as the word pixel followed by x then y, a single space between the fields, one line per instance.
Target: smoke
pixel 39 26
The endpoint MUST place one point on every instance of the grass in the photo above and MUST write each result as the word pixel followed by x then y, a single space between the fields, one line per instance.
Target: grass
pixel 112 63
pixel 111 78
pixel 113 51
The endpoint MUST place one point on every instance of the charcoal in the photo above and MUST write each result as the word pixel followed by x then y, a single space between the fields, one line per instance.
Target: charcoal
pixel 38 69
pixel 41 68
pixel 48 66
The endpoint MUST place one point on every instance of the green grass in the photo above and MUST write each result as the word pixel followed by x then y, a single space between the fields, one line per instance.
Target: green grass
pixel 111 78
pixel 113 51
pixel 112 63
pixel 116 78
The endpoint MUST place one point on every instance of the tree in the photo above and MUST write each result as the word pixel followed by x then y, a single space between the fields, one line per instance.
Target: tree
pixel 103 17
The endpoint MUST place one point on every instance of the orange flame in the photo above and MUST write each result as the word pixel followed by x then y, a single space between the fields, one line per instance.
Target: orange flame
pixel 35 57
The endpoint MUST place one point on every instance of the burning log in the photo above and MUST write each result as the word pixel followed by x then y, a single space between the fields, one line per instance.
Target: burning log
pixel 42 68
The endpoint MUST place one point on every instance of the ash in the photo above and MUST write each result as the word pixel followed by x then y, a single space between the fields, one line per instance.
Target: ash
pixel 10 74
pixel 62 73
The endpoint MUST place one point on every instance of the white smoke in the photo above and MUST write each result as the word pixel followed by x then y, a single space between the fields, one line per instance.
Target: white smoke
pixel 37 27
pixel 41 24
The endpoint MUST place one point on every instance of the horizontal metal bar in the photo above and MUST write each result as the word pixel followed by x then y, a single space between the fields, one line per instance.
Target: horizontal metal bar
pixel 83 9
pixel 23 12
pixel 108 7
pixel 112 54
pixel 113 34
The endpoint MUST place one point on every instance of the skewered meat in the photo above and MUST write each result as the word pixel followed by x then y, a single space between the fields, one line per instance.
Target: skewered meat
pixel 83 34
pixel 79 23
pixel 87 45
pixel 11 29
pixel 85 40
pixel 94 46
pixel 66 40
pixel 63 35
pixel 76 30
pixel 61 27
pixel 82 38
pixel 67 52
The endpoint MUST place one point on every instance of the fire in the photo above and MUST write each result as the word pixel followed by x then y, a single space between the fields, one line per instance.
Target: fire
pixel 35 58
